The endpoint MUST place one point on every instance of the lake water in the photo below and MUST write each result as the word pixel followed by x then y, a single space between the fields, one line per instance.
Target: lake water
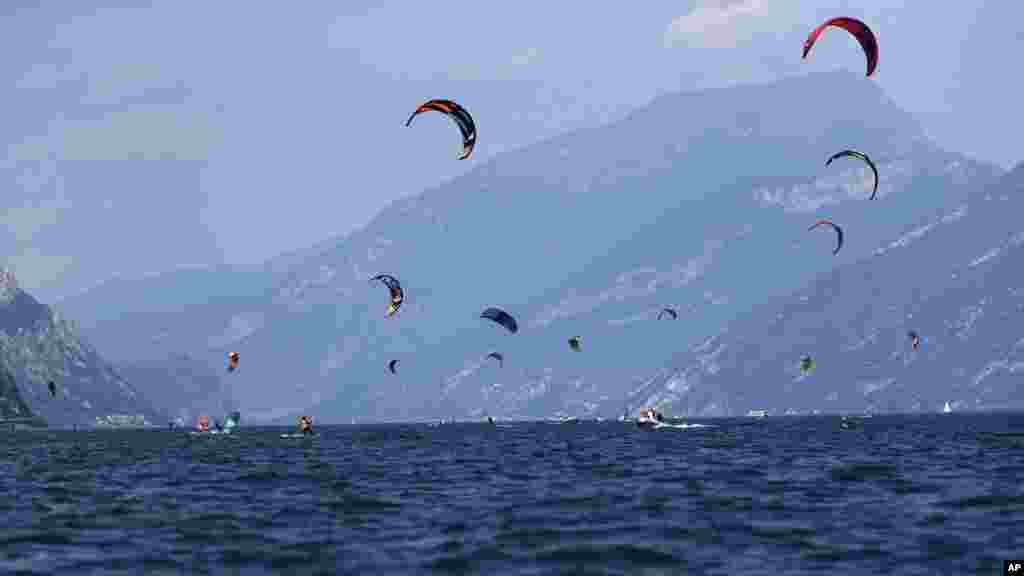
pixel 928 494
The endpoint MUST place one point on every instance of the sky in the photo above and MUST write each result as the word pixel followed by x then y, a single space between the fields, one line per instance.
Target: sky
pixel 143 137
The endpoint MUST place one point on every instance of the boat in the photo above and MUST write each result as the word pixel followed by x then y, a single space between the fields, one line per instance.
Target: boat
pixel 946 409
pixel 757 413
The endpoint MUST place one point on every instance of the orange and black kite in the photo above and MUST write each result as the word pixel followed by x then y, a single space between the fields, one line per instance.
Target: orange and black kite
pixel 457 113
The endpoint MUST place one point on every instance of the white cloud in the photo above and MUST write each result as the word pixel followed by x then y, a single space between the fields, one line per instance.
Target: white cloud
pixel 728 23
pixel 34 268
pixel 167 133
pixel 714 23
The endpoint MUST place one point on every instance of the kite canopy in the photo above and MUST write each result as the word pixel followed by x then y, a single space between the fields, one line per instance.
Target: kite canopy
pixel 391 366
pixel 839 232
pixel 860 156
pixel 497 356
pixel 668 312
pixel 574 343
pixel 860 31
pixel 806 364
pixel 53 389
pixel 457 113
pixel 501 317
pixel 395 288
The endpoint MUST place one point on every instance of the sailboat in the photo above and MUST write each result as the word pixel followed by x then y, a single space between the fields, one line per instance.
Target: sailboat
pixel 946 409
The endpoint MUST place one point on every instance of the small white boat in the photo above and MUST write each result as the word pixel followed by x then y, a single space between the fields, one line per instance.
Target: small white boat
pixel 757 413
pixel 946 409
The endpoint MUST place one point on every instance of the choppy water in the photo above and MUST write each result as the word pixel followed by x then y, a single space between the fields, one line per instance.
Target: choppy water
pixel 936 494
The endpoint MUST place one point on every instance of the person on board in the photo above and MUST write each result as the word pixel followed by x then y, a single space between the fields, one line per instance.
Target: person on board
pixel 305 425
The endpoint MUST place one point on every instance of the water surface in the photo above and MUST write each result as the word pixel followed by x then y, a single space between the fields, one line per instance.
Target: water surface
pixel 931 494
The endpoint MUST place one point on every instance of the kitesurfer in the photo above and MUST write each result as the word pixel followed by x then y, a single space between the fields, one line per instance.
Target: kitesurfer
pixel 305 425
pixel 649 418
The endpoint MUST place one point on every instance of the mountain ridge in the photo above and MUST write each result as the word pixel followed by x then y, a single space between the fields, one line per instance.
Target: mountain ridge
pixel 963 306
pixel 708 189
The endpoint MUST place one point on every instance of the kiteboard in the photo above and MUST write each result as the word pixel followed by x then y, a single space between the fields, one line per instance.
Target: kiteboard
pixel 298 436
pixel 647 425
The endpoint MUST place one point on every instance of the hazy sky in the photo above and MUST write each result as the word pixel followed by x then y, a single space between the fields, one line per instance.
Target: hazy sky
pixel 250 128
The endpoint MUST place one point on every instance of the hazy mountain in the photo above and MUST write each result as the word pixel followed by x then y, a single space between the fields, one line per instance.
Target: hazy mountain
pixel 953 278
pixel 160 316
pixel 699 200
pixel 38 346
pixel 181 386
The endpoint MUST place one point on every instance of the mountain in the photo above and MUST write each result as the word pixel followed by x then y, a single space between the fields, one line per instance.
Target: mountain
pixel 39 346
pixel 11 403
pixel 682 203
pixel 698 200
pixel 953 278
pixel 185 311
pixel 181 386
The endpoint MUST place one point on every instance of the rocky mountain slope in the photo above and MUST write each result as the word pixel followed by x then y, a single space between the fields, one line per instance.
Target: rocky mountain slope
pixel 953 278
pixel 11 403
pixel 39 346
